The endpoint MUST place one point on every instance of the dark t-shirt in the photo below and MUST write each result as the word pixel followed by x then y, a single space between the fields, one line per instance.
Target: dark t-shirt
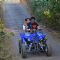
pixel 29 25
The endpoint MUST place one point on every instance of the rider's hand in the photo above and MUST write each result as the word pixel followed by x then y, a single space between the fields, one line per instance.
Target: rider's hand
pixel 40 27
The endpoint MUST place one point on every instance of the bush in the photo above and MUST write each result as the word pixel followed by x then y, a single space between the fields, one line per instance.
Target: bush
pixel 5 46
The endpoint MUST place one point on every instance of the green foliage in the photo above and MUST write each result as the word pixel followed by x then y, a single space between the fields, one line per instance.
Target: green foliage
pixel 1 25
pixel 5 46
pixel 47 11
pixel 12 34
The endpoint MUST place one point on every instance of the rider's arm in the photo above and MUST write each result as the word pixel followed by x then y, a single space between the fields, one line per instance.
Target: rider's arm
pixel 40 27
pixel 24 27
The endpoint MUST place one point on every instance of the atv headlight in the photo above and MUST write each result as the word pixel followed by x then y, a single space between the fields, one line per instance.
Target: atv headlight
pixel 28 39
pixel 41 39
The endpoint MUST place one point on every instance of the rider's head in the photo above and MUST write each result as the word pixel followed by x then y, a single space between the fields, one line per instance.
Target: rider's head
pixel 32 19
pixel 25 21
pixel 28 20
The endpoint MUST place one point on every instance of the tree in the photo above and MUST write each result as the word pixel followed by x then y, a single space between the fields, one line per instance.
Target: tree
pixel 47 11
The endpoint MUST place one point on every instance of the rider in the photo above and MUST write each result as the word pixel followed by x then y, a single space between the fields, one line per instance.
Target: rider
pixel 27 24
pixel 34 24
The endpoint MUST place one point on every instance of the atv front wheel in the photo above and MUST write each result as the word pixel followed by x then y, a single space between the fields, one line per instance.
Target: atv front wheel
pixel 48 50
pixel 23 51
pixel 19 46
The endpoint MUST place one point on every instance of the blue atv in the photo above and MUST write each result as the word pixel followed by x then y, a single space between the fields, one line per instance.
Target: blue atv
pixel 33 42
